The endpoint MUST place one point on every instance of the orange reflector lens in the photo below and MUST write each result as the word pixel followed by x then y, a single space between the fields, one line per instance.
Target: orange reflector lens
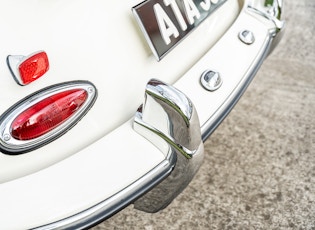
pixel 47 114
pixel 33 67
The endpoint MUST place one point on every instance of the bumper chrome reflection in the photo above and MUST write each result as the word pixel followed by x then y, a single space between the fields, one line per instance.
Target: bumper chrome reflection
pixel 169 120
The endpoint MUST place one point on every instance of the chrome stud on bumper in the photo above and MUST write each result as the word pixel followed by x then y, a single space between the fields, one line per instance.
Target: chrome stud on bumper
pixel 169 120
pixel 246 37
pixel 211 80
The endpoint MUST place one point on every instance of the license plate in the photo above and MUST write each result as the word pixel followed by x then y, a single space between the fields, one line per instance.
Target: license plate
pixel 166 22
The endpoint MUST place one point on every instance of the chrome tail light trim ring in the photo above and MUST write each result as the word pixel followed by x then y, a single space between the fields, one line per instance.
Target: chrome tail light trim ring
pixel 10 145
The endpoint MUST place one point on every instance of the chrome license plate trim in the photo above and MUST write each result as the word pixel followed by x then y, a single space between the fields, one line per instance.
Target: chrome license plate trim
pixel 165 23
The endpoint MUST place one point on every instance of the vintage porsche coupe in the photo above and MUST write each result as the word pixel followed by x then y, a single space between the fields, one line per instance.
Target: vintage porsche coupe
pixel 108 103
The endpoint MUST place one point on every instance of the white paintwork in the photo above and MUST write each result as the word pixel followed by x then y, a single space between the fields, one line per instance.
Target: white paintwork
pixel 98 41
pixel 113 161
pixel 227 57
pixel 78 182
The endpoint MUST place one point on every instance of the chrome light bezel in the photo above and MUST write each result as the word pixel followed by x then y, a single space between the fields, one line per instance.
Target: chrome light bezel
pixel 10 145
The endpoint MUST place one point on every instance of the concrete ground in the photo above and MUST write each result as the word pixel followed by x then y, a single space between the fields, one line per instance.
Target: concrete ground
pixel 259 169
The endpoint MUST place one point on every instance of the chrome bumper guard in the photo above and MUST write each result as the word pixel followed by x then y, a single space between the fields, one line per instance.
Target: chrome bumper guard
pixel 169 120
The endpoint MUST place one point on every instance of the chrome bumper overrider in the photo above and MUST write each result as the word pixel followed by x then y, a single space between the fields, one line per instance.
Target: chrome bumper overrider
pixel 170 121
pixel 177 119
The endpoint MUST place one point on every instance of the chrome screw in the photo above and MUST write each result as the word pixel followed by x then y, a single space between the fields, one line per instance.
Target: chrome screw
pixel 6 137
pixel 211 80
pixel 246 37
pixel 90 90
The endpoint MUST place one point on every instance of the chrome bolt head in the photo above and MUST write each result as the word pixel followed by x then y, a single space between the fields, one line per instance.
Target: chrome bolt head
pixel 6 137
pixel 90 90
pixel 211 80
pixel 246 37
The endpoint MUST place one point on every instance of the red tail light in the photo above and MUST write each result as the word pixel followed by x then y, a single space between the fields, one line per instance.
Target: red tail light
pixel 33 67
pixel 27 69
pixel 47 114
pixel 44 116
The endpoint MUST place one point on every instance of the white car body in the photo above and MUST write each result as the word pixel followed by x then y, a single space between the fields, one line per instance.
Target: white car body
pixel 79 178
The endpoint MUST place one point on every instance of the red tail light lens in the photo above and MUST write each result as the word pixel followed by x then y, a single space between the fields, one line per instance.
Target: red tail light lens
pixel 47 114
pixel 27 69
pixel 33 67
pixel 44 116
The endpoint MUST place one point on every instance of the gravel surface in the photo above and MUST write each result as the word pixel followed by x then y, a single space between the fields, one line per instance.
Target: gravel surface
pixel 259 169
